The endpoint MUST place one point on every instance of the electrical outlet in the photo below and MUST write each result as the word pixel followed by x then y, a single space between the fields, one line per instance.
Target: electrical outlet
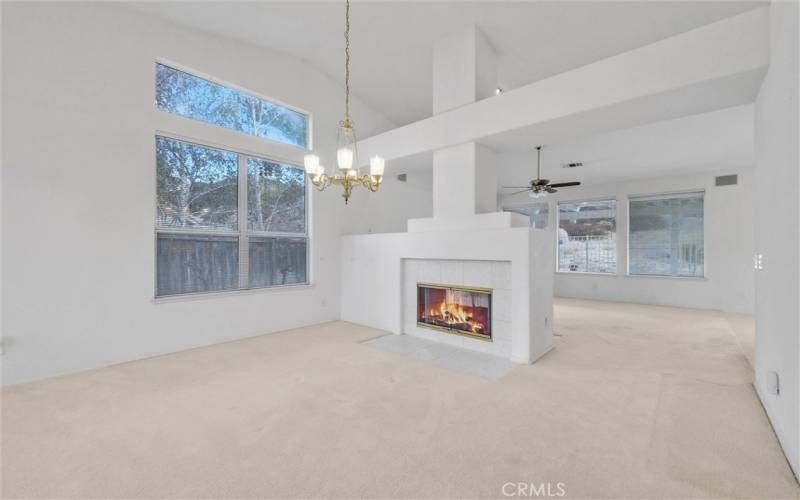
pixel 758 261
pixel 773 384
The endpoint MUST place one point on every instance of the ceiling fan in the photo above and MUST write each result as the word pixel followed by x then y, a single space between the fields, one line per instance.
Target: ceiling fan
pixel 540 187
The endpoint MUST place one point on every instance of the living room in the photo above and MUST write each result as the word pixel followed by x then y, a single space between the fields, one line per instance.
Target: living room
pixel 400 249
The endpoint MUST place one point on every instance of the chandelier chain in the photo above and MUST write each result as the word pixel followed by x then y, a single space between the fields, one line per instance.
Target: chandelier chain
pixel 347 62
pixel 348 176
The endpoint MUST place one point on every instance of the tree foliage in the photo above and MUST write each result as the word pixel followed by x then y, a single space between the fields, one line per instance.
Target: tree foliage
pixel 197 186
pixel 276 197
pixel 187 95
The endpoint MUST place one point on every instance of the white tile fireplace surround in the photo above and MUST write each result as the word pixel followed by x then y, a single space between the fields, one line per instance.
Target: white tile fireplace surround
pixel 515 261
pixel 493 275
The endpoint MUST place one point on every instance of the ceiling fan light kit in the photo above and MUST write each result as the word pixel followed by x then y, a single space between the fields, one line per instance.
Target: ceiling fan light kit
pixel 539 187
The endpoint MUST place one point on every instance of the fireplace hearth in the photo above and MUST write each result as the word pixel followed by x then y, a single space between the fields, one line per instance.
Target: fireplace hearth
pixel 455 309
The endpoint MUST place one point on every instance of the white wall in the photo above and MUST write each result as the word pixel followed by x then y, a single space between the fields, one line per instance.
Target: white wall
pixel 777 187
pixel 728 284
pixel 388 210
pixel 78 186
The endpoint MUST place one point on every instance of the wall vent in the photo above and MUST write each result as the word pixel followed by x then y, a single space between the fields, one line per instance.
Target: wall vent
pixel 402 177
pixel 574 164
pixel 727 180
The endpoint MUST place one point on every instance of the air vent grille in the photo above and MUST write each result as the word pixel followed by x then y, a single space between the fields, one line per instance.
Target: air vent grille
pixel 727 180
pixel 574 164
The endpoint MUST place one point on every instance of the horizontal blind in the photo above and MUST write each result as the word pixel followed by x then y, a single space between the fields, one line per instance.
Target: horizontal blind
pixel 666 235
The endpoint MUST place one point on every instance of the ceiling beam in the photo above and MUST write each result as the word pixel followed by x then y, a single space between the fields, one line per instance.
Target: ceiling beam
pixel 711 58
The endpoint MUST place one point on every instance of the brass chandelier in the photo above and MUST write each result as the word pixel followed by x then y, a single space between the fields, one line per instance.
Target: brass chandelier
pixel 346 150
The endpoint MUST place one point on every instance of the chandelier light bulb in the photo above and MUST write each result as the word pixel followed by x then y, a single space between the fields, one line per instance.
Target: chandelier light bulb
pixel 311 163
pixel 376 165
pixel 344 158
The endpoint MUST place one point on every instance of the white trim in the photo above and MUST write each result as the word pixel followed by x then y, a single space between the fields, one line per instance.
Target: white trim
pixel 274 234
pixel 667 194
pixel 198 231
pixel 234 292
pixel 635 276
pixel 660 276
pixel 242 185
pixel 775 423
pixel 586 273
pixel 204 134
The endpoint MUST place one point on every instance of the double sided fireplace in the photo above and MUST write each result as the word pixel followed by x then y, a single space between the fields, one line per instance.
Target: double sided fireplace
pixel 454 309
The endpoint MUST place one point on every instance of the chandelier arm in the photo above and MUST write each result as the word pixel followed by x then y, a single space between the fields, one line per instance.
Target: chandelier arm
pixel 371 182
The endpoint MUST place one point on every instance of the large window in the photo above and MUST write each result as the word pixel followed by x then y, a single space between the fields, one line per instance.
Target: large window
pixel 666 235
pixel 227 221
pixel 587 236
pixel 187 95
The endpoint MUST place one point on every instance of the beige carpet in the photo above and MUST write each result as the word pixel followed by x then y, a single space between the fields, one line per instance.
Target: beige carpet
pixel 635 401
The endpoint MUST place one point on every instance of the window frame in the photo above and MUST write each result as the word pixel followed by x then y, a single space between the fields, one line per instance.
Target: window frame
pixel 665 194
pixel 557 227
pixel 242 231
pixel 204 76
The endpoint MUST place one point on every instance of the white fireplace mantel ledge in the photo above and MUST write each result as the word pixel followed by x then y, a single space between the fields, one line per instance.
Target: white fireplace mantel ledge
pixel 477 222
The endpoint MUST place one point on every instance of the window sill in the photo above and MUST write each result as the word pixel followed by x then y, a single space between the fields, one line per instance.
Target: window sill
pixel 649 276
pixel 637 276
pixel 191 297
pixel 586 273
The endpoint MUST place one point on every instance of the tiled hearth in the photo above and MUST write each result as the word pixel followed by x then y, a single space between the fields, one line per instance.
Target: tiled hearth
pixel 491 275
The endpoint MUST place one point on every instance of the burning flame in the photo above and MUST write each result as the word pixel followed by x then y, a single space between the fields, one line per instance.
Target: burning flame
pixel 455 314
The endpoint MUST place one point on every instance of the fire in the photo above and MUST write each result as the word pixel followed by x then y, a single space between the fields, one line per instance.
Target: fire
pixel 455 314
pixel 456 310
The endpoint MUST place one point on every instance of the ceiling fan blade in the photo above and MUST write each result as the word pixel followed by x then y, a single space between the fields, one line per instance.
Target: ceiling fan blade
pixel 518 192
pixel 516 187
pixel 565 184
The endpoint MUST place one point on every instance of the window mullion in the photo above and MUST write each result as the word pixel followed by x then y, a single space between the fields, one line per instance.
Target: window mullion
pixel 674 237
pixel 244 254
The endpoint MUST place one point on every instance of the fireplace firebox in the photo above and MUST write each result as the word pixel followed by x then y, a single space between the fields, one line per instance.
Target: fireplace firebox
pixel 460 310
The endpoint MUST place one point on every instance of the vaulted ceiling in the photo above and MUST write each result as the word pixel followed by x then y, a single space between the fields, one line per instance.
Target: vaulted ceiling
pixel 392 41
